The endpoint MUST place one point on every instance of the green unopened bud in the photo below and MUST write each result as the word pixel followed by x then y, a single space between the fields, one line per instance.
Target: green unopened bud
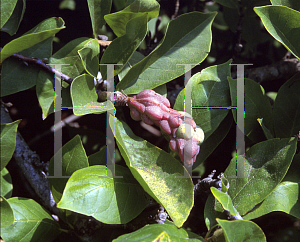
pixel 199 135
pixel 185 131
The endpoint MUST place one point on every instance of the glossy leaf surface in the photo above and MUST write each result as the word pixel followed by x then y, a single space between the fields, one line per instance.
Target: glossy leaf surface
pixel 8 141
pixel 98 8
pixel 241 230
pixel 158 172
pixel 6 184
pixel 264 166
pixel 180 45
pixel 224 199
pixel 94 192
pixel 285 198
pixel 84 96
pixel 118 21
pixel 286 112
pixel 159 232
pixel 283 24
pixel 44 30
pixel 32 222
pixel 7 214
pixel 121 49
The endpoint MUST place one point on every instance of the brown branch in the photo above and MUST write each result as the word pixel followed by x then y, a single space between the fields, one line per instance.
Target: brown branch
pixel 27 161
pixel 44 66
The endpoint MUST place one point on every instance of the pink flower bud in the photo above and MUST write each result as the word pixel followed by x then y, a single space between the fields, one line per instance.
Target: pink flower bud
pixel 173 145
pixel 135 115
pixel 147 120
pixel 154 112
pixel 165 127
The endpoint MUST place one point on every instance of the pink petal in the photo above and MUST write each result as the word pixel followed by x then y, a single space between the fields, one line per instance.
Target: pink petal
pixel 145 93
pixel 173 145
pixel 135 115
pixel 139 106
pixel 154 112
pixel 147 120
pixel 174 121
pixel 164 125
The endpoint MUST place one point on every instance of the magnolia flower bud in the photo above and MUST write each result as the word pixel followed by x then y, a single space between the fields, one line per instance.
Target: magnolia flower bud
pixel 199 135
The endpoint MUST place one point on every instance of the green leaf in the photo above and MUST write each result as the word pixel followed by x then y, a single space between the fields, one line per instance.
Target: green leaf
pixel 67 4
pixel 7 8
pixel 285 197
pixel 294 4
pixel 134 59
pixel 293 174
pixel 225 200
pixel 90 57
pixel 228 3
pixel 84 96
pixel 210 214
pixel 283 24
pixel 94 192
pixel 32 222
pixel 12 25
pixel 257 105
pixel 265 165
pixel 157 171
pixel 209 89
pixel 179 46
pixel 42 31
pixel 99 158
pixel 8 141
pixel 6 184
pixel 160 232
pixel 98 8
pixel 266 131
pixel 23 76
pixel 121 49
pixel 241 230
pixel 118 21
pixel 7 214
pixel 286 112
pixel 69 57
pixel 73 158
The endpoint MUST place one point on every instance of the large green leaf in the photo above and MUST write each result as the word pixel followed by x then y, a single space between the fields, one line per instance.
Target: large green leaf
pixel 7 8
pixel 44 30
pixel 285 198
pixel 94 191
pixel 118 21
pixel 121 49
pixel 69 57
pixel 265 165
pixel 283 24
pixel 209 89
pixel 6 184
pixel 134 59
pixel 241 230
pixel 286 112
pixel 73 158
pixel 159 232
pixel 98 8
pixel 7 214
pixel 90 57
pixel 294 4
pixel 25 76
pixel 12 25
pixel 224 199
pixel 158 172
pixel 179 46
pixel 84 96
pixel 257 106
pixel 8 142
pixel 32 222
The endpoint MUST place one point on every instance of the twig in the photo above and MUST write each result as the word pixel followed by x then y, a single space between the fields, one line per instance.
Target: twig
pixel 40 63
pixel 177 4
pixel 28 162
